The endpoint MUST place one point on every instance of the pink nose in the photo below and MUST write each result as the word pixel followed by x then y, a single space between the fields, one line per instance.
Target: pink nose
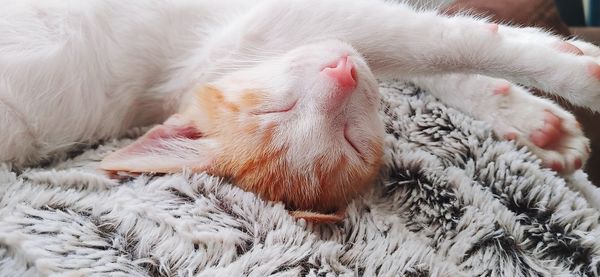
pixel 343 72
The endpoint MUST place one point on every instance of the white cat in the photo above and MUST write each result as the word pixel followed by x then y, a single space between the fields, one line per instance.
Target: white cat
pixel 279 95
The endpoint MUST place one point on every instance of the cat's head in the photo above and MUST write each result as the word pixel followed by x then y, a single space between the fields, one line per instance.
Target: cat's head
pixel 301 128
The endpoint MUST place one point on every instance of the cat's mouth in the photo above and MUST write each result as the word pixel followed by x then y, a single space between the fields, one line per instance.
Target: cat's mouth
pixel 349 140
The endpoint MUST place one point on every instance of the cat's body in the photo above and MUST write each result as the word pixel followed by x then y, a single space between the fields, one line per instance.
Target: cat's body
pixel 290 74
pixel 99 60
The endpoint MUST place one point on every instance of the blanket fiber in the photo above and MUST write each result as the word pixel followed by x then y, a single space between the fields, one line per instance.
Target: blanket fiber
pixel 451 201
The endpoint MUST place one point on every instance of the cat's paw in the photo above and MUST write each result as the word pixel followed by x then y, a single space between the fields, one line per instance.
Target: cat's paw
pixel 549 131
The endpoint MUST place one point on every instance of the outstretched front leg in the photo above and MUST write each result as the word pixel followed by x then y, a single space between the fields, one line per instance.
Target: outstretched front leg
pixel 549 131
pixel 545 128
pixel 398 42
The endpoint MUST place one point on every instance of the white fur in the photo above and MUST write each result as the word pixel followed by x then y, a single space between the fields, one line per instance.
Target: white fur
pixel 76 72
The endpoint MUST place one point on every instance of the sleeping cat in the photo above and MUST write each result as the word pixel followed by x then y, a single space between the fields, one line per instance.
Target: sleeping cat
pixel 280 96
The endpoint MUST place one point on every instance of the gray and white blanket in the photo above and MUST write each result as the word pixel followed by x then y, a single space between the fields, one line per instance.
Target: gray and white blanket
pixel 452 201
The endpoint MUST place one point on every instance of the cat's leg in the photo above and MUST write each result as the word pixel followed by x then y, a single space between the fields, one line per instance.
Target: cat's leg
pixel 19 143
pixel 67 80
pixel 398 41
pixel 36 128
pixel 549 131
pixel 573 45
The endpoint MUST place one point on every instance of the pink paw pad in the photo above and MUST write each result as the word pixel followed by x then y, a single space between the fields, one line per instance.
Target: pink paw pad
pixel 503 90
pixel 594 70
pixel 550 133
pixel 493 27
pixel 556 166
pixel 510 136
pixel 578 164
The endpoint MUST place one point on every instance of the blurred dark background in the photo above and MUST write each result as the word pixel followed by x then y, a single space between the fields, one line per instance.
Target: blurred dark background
pixel 578 13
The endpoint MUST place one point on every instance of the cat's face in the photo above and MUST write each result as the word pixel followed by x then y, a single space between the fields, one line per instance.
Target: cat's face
pixel 301 128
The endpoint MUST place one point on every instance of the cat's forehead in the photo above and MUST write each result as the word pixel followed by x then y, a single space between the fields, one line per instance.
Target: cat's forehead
pixel 268 76
pixel 233 99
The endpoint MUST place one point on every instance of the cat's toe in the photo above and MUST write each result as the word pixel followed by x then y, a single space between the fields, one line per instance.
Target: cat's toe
pixel 564 163
pixel 560 143
pixel 550 133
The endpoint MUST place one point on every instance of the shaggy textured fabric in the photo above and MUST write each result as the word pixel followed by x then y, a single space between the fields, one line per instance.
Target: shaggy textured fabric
pixel 452 201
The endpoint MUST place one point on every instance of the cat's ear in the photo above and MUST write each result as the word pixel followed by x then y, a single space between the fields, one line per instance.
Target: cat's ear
pixel 176 144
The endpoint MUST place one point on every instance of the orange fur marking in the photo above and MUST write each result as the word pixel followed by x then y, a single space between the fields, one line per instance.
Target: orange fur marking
pixel 251 98
pixel 208 99
pixel 249 156
pixel 252 127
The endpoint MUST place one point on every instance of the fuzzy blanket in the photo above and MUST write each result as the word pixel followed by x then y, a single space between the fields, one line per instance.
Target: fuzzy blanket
pixel 452 201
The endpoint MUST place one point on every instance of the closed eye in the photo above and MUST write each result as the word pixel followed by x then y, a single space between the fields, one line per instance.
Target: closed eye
pixel 281 110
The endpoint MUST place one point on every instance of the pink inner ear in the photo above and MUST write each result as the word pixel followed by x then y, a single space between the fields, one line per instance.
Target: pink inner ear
pixel 168 131
pixel 165 148
pixel 159 134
